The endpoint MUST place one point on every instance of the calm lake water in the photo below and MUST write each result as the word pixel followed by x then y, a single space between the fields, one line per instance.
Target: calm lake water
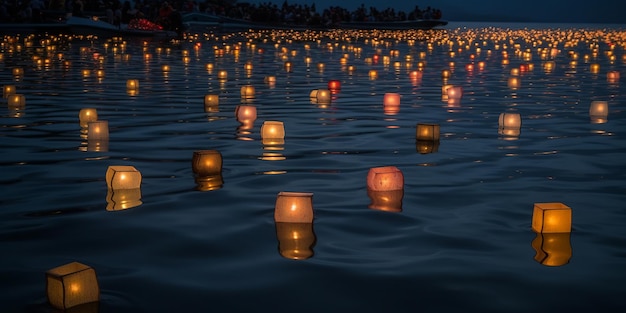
pixel 460 238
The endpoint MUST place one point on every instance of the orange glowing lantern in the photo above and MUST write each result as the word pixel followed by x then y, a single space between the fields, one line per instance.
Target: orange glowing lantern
pixel 599 111
pixel 373 74
pixel 222 75
pixel 247 92
pixel 8 90
pixel 445 74
pixel 123 177
pixel 72 284
pixel 391 99
pixel 552 217
pixel 594 68
pixel 206 163
pixel 454 92
pixel 510 120
pixel 98 130
pixel 552 249
pixel 513 82
pixel 385 178
pixel 86 116
pixel 246 114
pixel 295 240
pixel 132 84
pixel 294 207
pixel 427 132
pixel 612 76
pixel 16 101
pixel 320 96
pixel 288 66
pixel 211 100
pixel 273 133
pixel 334 85
pixel 18 71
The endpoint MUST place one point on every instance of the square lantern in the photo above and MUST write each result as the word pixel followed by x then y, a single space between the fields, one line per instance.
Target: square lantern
pixel 455 92
pixel 510 121
pixel 295 240
pixel 16 101
pixel 8 90
pixel 245 114
pixel 385 178
pixel 247 92
pixel 206 163
pixel 273 130
pixel 211 100
pixel 72 284
pixel 426 131
pixel 132 84
pixel 391 99
pixel 98 130
pixel 552 217
pixel 599 111
pixel 86 116
pixel 123 177
pixel 294 207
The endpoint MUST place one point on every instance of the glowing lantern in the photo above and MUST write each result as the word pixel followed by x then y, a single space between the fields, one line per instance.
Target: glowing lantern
pixel 612 76
pixel 273 130
pixel 165 68
pixel 294 207
pixel 385 178
pixel 270 80
pixel 552 217
pixel 18 71
pixel 8 90
pixel 98 130
pixel 86 72
pixel 222 75
pixel 390 201
pixel 207 168
pixel 86 116
pixel 427 132
pixel 510 120
pixel 515 71
pixel 295 240
pixel 247 92
pixel 211 100
pixel 552 249
pixel 72 284
pixel 594 68
pixel 132 84
pixel 454 92
pixel 16 101
pixel 100 73
pixel 123 199
pixel 391 99
pixel 123 177
pixel 320 67
pixel 334 85
pixel 599 111
pixel 246 114
pixel 373 74
pixel 445 74
pixel 513 82
pixel 288 66
pixel 321 96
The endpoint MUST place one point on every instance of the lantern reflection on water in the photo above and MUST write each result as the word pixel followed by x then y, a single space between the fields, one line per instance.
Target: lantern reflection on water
pixel 295 240
pixel 552 249
pixel 71 285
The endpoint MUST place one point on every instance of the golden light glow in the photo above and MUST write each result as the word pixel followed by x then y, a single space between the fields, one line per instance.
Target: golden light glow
pixel 552 249
pixel 123 177
pixel 552 217
pixel 427 132
pixel 385 178
pixel 8 90
pixel 273 130
pixel 71 284
pixel 391 99
pixel 211 100
pixel 247 92
pixel 390 201
pixel 86 116
pixel 295 240
pixel 132 84
pixel 123 199
pixel 599 111
pixel 294 207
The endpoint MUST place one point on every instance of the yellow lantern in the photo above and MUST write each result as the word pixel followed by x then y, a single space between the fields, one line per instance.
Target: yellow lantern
pixel 288 66
pixel 246 114
pixel 594 68
pixel 222 75
pixel 86 116
pixel 295 240
pixel 132 84
pixel 211 100
pixel 273 130
pixel 16 101
pixel 510 121
pixel 445 74
pixel 391 99
pixel 373 74
pixel 247 92
pixel 552 249
pixel 270 80
pixel 612 76
pixel 599 111
pixel 385 178
pixel 513 82
pixel 8 90
pixel 72 284
pixel 552 217
pixel 123 177
pixel 294 207
pixel 123 199
pixel 18 71
pixel 390 200
pixel 454 92
pixel 98 130
pixel 427 132
pixel 206 162
pixel 320 96
pixel 165 68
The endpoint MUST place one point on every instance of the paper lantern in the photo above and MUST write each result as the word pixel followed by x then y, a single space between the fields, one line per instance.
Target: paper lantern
pixel 206 163
pixel 295 240
pixel 320 67
pixel 222 75
pixel 427 132
pixel 100 73
pixel 72 284
pixel 599 111
pixel 8 90
pixel 320 96
pixel 123 177
pixel 86 73
pixel 294 207
pixel 288 66
pixel 270 80
pixel 123 199
pixel 373 74
pixel 552 217
pixel 18 71
pixel 334 85
pixel 385 178
pixel 426 146
pixel 86 116
pixel 515 71
pixel 273 129
pixel 444 89
pixel 612 76
pixel 552 249
pixel 455 92
pixel 132 84
pixel 390 201
pixel 513 82
pixel 211 100
pixel 246 114
pixel 165 68
pixel 16 101
pixel 594 68
pixel 510 121
pixel 391 99
pixel 98 130
pixel 247 92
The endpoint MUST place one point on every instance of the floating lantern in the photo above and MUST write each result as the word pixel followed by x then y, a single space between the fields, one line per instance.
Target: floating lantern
pixel 552 249
pixel 599 111
pixel 385 178
pixel 513 82
pixel 320 96
pixel 320 67
pixel 165 68
pixel 273 130
pixel 18 71
pixel 16 101
pixel 594 68
pixel 72 284
pixel 86 116
pixel 247 92
pixel 612 76
pixel 270 80
pixel 206 163
pixel 86 73
pixel 123 177
pixel 391 99
pixel 123 199
pixel 454 92
pixel 295 240
pixel 334 85
pixel 100 73
pixel 222 75
pixel 211 100
pixel 8 90
pixel 294 207
pixel 246 114
pixel 390 201
pixel 288 66
pixel 373 74
pixel 510 120
pixel 515 71
pixel 427 132
pixel 132 84
pixel 553 217
pixel 98 130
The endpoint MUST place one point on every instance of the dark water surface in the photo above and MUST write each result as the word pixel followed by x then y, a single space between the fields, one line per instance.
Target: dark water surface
pixel 462 241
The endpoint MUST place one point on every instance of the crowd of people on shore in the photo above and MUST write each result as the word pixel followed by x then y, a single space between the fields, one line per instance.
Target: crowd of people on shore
pixel 161 11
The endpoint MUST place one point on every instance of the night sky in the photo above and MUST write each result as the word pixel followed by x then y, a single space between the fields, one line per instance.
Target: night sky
pixel 565 11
